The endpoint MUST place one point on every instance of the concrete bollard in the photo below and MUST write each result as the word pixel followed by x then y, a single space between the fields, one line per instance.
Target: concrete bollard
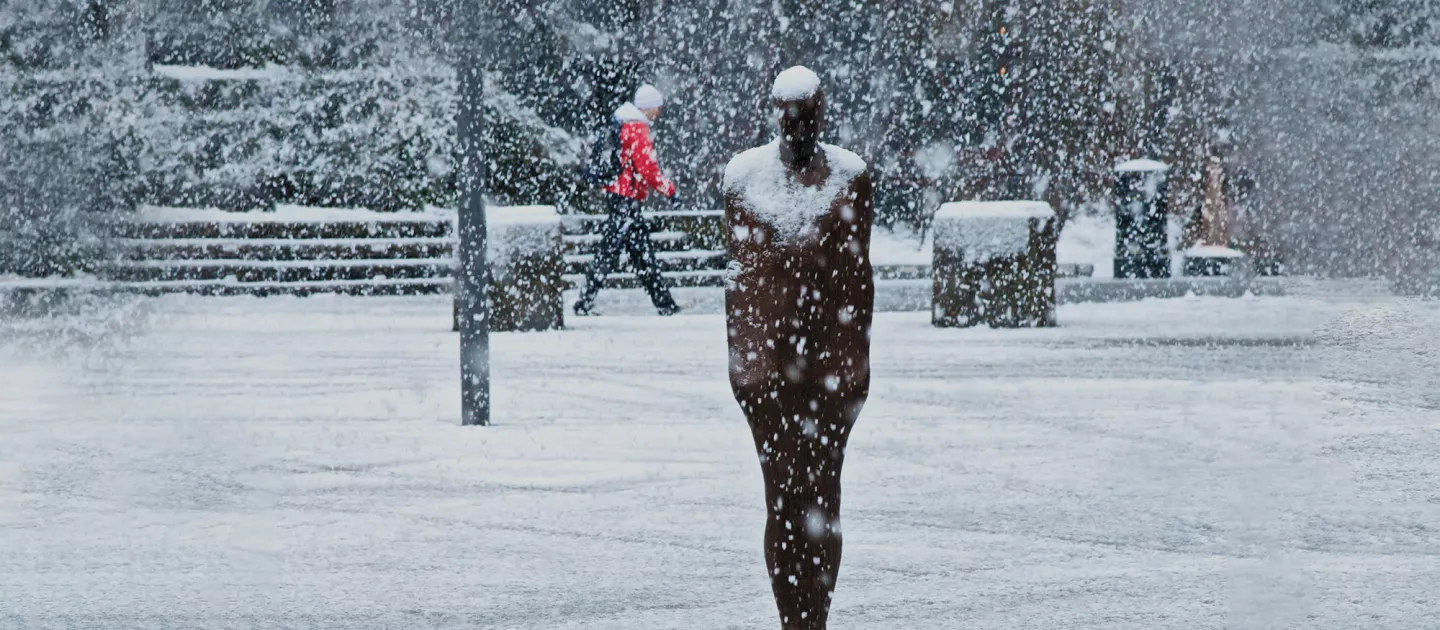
pixel 526 259
pixel 995 265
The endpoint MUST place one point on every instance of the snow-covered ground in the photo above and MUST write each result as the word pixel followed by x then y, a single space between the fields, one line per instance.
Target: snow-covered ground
pixel 268 463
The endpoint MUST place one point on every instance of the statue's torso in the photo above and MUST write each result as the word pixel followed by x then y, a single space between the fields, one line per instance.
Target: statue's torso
pixel 799 286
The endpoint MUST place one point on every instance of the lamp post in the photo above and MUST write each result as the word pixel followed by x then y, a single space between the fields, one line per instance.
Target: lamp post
pixel 473 301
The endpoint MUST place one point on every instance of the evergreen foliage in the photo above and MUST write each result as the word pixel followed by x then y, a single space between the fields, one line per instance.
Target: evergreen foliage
pixel 1328 104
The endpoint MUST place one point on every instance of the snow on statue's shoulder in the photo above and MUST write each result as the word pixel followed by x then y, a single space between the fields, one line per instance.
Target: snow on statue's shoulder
pixel 750 164
pixel 843 162
pixel 759 181
pixel 795 84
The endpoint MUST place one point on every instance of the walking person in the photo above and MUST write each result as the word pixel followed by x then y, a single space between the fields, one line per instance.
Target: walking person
pixel 625 230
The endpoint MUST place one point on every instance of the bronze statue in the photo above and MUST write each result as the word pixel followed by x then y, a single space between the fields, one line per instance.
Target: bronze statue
pixel 799 299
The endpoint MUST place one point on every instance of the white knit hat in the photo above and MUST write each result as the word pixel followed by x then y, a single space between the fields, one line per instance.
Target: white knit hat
pixel 647 97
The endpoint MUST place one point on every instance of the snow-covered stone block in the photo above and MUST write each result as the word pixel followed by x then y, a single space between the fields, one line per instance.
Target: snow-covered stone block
pixel 526 259
pixel 994 264
pixel 1212 260
pixel 1142 166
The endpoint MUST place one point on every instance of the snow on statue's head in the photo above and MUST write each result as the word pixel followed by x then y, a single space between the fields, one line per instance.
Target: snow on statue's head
pixel 796 84
pixel 801 104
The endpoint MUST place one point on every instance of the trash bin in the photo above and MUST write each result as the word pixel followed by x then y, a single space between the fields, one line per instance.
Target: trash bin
pixel 1141 220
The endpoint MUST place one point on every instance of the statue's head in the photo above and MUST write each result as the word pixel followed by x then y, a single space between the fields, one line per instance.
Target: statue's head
pixel 801 105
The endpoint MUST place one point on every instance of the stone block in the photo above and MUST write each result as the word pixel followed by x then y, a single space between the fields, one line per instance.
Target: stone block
pixel 526 262
pixel 995 265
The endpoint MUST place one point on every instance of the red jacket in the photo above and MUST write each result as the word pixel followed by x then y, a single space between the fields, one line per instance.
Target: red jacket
pixel 639 169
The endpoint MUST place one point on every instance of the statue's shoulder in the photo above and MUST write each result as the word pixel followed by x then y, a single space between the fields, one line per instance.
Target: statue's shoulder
pixel 843 161
pixel 750 164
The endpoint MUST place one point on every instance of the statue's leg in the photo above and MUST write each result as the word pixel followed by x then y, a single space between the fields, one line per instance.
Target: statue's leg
pixel 801 454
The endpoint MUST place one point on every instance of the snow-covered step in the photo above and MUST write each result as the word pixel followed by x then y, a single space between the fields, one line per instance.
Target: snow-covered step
pixel 676 261
pixel 684 255
pixel 1073 290
pixel 700 278
pixel 679 237
pixel 580 244
pixel 418 286
pixel 285 264
pixel 286 249
pixel 917 271
pixel 281 270
pixel 916 294
pixel 659 215
pixel 254 230
pixel 705 228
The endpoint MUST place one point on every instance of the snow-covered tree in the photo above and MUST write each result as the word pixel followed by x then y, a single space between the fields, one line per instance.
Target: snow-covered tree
pixel 68 155
pixel 1338 122
pixel 1326 103
pixel 1380 23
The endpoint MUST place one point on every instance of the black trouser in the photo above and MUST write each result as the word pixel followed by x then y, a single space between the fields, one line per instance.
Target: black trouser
pixel 626 231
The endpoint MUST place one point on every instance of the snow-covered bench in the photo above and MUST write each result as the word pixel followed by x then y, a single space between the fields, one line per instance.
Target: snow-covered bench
pixel 293 250
pixel 305 251
pixel 995 264
pixel 297 250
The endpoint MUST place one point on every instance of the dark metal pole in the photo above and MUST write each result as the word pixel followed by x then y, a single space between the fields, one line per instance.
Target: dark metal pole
pixel 473 300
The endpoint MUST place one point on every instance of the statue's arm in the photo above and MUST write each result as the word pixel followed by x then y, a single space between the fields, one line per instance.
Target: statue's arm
pixel 851 296
pixel 736 250
pixel 744 319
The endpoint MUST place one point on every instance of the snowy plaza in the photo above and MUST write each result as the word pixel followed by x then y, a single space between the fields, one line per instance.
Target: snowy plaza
pixel 591 315
pixel 280 463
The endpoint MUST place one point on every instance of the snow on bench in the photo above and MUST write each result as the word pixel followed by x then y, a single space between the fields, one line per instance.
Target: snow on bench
pixel 291 214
